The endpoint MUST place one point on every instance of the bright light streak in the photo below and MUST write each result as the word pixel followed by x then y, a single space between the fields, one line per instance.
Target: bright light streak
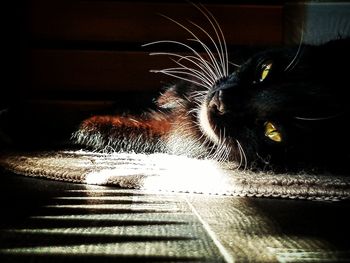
pixel 164 172
pixel 187 175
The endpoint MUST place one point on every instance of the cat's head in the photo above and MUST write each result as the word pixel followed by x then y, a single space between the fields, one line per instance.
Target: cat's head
pixel 284 108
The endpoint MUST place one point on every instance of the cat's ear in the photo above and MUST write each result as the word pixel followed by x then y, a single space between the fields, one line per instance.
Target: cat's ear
pixel 169 99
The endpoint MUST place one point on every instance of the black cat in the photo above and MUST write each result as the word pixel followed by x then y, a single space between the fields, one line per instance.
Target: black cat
pixel 284 109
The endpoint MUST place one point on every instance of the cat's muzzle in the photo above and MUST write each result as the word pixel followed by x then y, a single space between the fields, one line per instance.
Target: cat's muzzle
pixel 215 103
pixel 217 97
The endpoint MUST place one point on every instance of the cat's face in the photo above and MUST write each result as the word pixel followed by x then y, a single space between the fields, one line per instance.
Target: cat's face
pixel 281 108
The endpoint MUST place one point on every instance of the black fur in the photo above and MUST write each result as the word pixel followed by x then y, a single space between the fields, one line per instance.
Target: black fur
pixel 307 101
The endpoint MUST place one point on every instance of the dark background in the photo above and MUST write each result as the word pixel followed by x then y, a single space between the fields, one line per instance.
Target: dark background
pixel 66 60
pixel 91 50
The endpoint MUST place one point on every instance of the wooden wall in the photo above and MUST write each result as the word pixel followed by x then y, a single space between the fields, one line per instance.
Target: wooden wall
pixel 91 48
pixel 67 59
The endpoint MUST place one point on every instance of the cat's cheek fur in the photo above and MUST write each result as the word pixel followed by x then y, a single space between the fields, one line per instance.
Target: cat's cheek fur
pixel 205 126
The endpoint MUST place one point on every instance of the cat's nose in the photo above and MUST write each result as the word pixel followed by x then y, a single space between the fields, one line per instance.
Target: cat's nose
pixel 216 103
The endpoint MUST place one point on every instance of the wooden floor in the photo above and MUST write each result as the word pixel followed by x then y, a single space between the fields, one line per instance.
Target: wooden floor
pixel 48 221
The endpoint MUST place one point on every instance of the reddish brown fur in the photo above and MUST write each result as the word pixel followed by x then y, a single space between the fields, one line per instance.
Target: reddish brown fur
pixel 156 126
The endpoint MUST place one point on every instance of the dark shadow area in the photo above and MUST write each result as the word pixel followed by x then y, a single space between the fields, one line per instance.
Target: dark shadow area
pixel 318 220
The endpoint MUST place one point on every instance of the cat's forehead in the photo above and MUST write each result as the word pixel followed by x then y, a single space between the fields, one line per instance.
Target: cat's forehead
pixel 279 58
pixel 278 55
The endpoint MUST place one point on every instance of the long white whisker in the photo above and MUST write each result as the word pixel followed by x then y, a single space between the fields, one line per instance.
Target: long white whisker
pixel 316 119
pixel 198 73
pixel 188 47
pixel 219 52
pixel 291 65
pixel 213 60
pixel 228 151
pixel 240 156
pixel 210 66
pixel 172 74
pixel 243 153
pixel 195 73
pixel 214 77
pixel 234 64
pixel 188 72
pixel 222 40
pixel 191 59
pixel 222 146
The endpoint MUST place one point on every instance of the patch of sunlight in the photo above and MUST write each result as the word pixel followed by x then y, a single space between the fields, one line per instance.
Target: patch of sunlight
pixel 165 172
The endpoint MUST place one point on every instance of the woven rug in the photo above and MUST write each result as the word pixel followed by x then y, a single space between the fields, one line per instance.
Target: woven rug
pixel 161 172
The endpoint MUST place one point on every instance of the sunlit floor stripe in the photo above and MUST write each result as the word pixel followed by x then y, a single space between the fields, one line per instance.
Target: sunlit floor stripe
pixel 117 198
pixel 176 217
pixel 102 189
pixel 160 207
pixel 169 230
pixel 110 206
pixel 191 249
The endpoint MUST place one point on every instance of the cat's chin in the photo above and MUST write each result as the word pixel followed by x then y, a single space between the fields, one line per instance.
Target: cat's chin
pixel 206 125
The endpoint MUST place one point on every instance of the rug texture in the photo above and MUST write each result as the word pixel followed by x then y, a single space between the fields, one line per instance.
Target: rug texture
pixel 161 172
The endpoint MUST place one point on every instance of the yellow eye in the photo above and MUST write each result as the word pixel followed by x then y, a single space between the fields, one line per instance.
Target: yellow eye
pixel 272 133
pixel 265 71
